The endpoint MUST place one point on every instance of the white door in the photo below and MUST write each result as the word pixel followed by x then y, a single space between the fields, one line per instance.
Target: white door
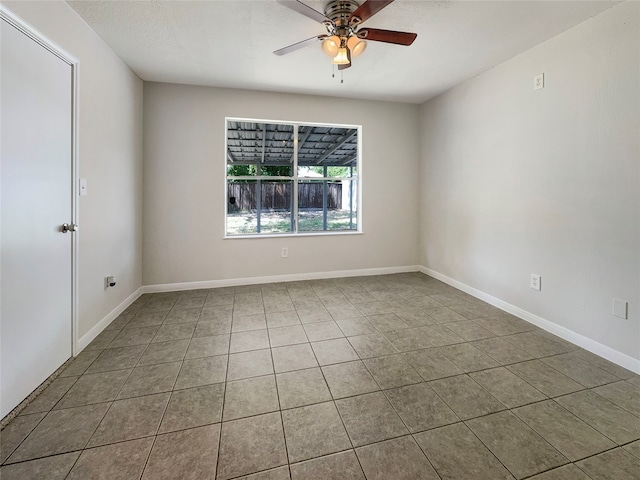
pixel 36 180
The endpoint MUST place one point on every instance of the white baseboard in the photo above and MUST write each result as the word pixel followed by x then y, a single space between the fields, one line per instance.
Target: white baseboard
pixel 233 282
pixel 88 337
pixel 589 344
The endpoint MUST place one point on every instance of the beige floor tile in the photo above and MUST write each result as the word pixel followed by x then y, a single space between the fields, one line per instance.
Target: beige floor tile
pixel 193 407
pixel 249 364
pixel 431 364
pixel 372 345
pixel 302 387
pixel 313 431
pixel 468 357
pixel 370 418
pixel 392 371
pixel 130 419
pixel 151 379
pixel 121 461
pixel 522 450
pixel 263 436
pixel 582 372
pixel 349 379
pixel 606 417
pixel 322 331
pixel 290 335
pixel 14 433
pixel 623 394
pixel 400 459
pixel 293 357
pixel 280 473
pixel 202 371
pixel 188 454
pixel 250 396
pixel 96 388
pixel 339 466
pixel 563 430
pixel 566 472
pixel 51 468
pixel 615 464
pixel 334 351
pixel 501 351
pixel 250 340
pixel 208 346
pixel 457 454
pixel 164 352
pixel 465 397
pixel 508 388
pixel 50 395
pixel 420 408
pixel 545 378
pixel 61 431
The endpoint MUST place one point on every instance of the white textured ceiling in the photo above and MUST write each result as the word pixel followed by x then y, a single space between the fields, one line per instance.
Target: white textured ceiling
pixel 229 43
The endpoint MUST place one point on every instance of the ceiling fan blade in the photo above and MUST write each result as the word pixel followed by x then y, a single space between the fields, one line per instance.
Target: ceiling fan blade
pixel 305 10
pixel 299 45
pixel 387 36
pixel 367 10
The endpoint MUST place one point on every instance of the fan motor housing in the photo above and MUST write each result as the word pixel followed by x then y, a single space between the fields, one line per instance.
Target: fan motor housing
pixel 340 10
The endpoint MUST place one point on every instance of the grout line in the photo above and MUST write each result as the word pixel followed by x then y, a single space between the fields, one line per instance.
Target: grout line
pixel 224 390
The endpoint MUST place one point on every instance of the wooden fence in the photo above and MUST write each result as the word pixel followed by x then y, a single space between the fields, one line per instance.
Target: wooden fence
pixel 277 195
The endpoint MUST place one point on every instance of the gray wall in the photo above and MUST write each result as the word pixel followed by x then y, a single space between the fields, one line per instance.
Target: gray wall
pixel 184 186
pixel 110 158
pixel 515 181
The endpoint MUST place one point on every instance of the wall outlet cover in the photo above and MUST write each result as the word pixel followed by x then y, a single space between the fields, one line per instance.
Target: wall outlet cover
pixel 538 81
pixel 535 282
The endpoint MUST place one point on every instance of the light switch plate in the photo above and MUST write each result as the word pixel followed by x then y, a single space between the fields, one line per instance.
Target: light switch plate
pixel 620 308
pixel 83 187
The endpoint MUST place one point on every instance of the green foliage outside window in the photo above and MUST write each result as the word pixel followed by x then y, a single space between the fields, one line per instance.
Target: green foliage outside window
pixel 251 170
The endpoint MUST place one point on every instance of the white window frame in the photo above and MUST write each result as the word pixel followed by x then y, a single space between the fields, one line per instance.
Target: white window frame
pixel 294 178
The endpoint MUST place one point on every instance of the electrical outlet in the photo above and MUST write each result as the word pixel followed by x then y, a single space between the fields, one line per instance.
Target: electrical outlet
pixel 538 81
pixel 534 282
pixel 620 308
pixel 285 252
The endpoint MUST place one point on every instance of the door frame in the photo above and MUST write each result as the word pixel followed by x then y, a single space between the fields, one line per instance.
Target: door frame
pixel 28 30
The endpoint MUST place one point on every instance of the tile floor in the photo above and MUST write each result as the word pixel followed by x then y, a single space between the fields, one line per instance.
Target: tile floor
pixel 388 377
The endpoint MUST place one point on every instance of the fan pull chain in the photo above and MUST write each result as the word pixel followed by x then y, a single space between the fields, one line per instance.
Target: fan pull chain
pixel 333 71
pixel 341 76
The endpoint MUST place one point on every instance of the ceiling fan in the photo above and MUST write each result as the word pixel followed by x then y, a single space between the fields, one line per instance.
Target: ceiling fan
pixel 344 38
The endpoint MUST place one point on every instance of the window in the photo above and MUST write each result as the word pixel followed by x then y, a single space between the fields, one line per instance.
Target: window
pixel 291 178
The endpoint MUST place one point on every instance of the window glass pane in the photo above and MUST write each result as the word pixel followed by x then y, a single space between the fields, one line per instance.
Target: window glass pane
pixel 264 149
pixel 327 205
pixel 243 147
pixel 325 151
pixel 277 206
pixel 255 207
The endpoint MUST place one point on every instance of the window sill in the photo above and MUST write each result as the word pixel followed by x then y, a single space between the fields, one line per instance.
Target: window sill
pixel 289 235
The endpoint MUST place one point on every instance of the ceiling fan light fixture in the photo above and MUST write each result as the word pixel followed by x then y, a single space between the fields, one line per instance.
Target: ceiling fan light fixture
pixel 342 58
pixel 356 45
pixel 331 45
